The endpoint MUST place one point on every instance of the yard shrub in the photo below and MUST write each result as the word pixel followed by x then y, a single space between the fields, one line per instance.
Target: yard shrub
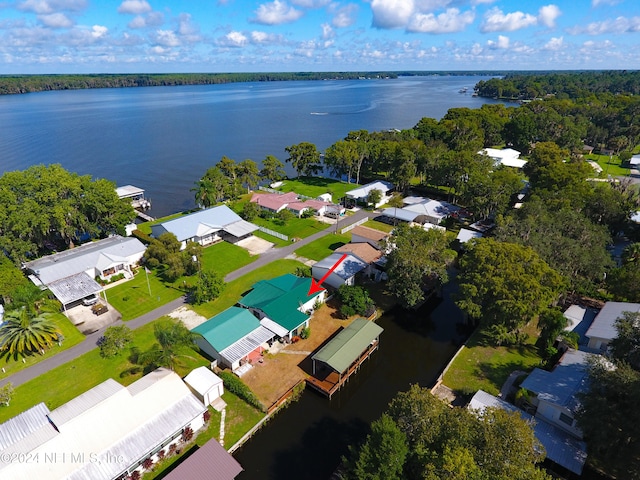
pixel 143 237
pixel 305 333
pixel 234 385
pixel 115 338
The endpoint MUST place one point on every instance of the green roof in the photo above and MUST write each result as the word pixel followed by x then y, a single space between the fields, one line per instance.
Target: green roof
pixel 227 327
pixel 280 298
pixel 348 345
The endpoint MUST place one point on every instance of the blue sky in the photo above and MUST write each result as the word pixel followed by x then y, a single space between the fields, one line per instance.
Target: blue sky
pixel 108 36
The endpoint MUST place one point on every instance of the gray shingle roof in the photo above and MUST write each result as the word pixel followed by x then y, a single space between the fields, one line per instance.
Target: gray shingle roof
pixel 209 462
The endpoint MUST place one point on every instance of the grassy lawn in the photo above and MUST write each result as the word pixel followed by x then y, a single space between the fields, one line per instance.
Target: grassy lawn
pixel 240 421
pixel 132 298
pixel 315 186
pixel 270 238
pixel 323 247
pixel 296 227
pixel 487 367
pixel 234 290
pixel 67 381
pixel 610 165
pixel 376 225
pixel 72 336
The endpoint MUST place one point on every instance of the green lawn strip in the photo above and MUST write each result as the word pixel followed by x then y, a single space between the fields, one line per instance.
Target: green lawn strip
pixel 71 334
pixel 234 290
pixel 145 227
pixel 67 381
pixel 610 165
pixel 316 186
pixel 241 417
pixel 296 227
pixel 376 225
pixel 323 247
pixel 270 238
pixel 132 298
pixel 480 367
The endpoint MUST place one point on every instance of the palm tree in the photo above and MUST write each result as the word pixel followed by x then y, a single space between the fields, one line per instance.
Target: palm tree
pixel 23 334
pixel 171 338
pixel 631 253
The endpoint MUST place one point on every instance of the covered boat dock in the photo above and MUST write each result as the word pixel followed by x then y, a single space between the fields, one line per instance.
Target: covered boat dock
pixel 334 363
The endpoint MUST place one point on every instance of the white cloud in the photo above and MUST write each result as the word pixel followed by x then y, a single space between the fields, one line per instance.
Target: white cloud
pixel 615 26
pixel 391 13
pixel 99 31
pixel 476 49
pixel 311 3
pixel 134 7
pixel 548 14
pixel 597 3
pixel 497 21
pixel 259 37
pixel 152 19
pixel 276 13
pixel 51 6
pixel 55 20
pixel 555 44
pixel 236 39
pixel 327 31
pixel 452 20
pixel 345 16
pixel 138 22
pixel 503 42
pixel 166 38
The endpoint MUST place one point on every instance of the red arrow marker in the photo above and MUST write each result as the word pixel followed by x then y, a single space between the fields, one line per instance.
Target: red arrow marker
pixel 316 286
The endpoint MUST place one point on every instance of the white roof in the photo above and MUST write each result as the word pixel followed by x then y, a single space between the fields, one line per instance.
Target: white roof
pixel 364 190
pixel 75 287
pixel 276 328
pixel 500 154
pixel 603 325
pixel 99 254
pixel 247 344
pixel 202 380
pixel 513 162
pixel 129 191
pixel 432 208
pixel 466 235
pixel 347 268
pixel 635 160
pixel 108 421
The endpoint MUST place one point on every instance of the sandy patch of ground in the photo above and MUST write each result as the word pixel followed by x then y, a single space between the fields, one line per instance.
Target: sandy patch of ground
pixel 280 372
pixel 255 245
pixel 190 318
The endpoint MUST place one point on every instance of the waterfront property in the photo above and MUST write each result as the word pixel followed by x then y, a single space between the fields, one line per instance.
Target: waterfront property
pixel 282 304
pixel 373 237
pixel 276 202
pixel 334 363
pixel 106 433
pixel 506 156
pixel 135 195
pixel 206 227
pixel 70 274
pixel 344 274
pixel 205 384
pixel 209 462
pixel 360 195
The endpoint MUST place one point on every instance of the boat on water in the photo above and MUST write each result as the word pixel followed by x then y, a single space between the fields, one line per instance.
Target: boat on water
pixel 463 90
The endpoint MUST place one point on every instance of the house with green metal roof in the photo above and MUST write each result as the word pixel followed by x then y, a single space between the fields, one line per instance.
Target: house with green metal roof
pixel 232 336
pixel 282 304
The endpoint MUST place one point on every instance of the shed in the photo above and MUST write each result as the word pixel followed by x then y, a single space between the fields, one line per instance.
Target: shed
pixel 205 384
pixel 346 347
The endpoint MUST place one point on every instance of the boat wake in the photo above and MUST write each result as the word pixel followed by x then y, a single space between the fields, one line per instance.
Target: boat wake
pixel 319 113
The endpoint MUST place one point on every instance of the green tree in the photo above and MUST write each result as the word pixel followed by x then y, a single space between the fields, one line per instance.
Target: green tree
pixel 304 158
pixel 11 278
pixel 250 211
pixel 114 340
pixel 374 197
pixel 355 300
pixel 418 261
pixel 248 174
pixel 625 347
pixel 340 159
pixel 284 216
pixel 505 284
pixel 209 285
pixel 211 188
pixel 171 341
pixel 272 169
pixel 6 394
pixel 382 455
pixel 22 334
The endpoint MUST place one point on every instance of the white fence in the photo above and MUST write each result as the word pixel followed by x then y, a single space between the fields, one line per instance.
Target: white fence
pixel 354 225
pixel 273 233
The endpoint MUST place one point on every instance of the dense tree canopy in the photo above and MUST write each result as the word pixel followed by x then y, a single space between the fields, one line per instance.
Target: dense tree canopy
pixel 47 206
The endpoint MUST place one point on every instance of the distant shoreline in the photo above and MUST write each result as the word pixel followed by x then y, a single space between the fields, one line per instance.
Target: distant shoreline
pixel 20 84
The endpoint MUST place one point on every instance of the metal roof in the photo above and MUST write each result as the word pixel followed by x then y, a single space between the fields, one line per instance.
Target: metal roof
pixel 202 380
pixel 127 191
pixel 560 447
pixel 247 344
pixel 227 327
pixel 348 345
pixel 347 268
pixel 240 228
pixel 561 385
pixel 21 426
pixel 364 190
pixel 209 462
pixel 433 208
pixel 85 401
pixel 84 257
pixel 199 223
pixel 364 251
pixel 74 288
pixel 279 330
pixel 400 214
pixel 603 325
pixel 464 235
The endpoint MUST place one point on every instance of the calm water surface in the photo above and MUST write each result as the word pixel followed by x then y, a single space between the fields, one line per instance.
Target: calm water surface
pixel 164 138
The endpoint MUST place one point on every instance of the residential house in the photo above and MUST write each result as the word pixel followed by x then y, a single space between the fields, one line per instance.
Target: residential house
pixel 106 433
pixel 373 237
pixel 560 447
pixel 205 385
pixel 368 254
pixel 603 329
pixel 233 337
pixel 206 227
pixel 506 156
pixel 360 195
pixel 465 235
pixel 71 274
pixel 555 393
pixel 275 202
pixel 425 211
pixel 209 462
pixel 283 304
pixel 344 274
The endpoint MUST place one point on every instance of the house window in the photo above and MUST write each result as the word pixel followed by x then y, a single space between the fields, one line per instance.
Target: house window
pixel 566 419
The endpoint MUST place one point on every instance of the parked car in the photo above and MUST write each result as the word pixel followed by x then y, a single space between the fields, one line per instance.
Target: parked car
pixel 90 300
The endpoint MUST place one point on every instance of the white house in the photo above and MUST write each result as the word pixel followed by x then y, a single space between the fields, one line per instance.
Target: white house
pixel 206 227
pixel 603 329
pixel 70 274
pixel 506 156
pixel 106 433
pixel 361 194
pixel 205 384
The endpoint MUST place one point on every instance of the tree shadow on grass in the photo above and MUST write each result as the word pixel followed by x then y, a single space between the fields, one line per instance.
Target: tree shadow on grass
pixel 497 374
pixel 336 245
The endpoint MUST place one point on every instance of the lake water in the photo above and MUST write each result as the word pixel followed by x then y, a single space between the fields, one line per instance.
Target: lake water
pixel 163 139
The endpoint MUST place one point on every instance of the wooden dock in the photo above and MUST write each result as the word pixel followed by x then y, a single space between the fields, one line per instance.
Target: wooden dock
pixel 144 216
pixel 328 382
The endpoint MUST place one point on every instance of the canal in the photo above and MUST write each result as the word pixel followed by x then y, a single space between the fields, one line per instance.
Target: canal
pixel 306 440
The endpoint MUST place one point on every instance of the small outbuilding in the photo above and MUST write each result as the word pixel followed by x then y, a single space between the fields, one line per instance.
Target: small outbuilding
pixel 205 384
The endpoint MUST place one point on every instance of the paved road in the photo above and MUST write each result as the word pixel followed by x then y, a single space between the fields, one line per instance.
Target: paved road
pixel 90 342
